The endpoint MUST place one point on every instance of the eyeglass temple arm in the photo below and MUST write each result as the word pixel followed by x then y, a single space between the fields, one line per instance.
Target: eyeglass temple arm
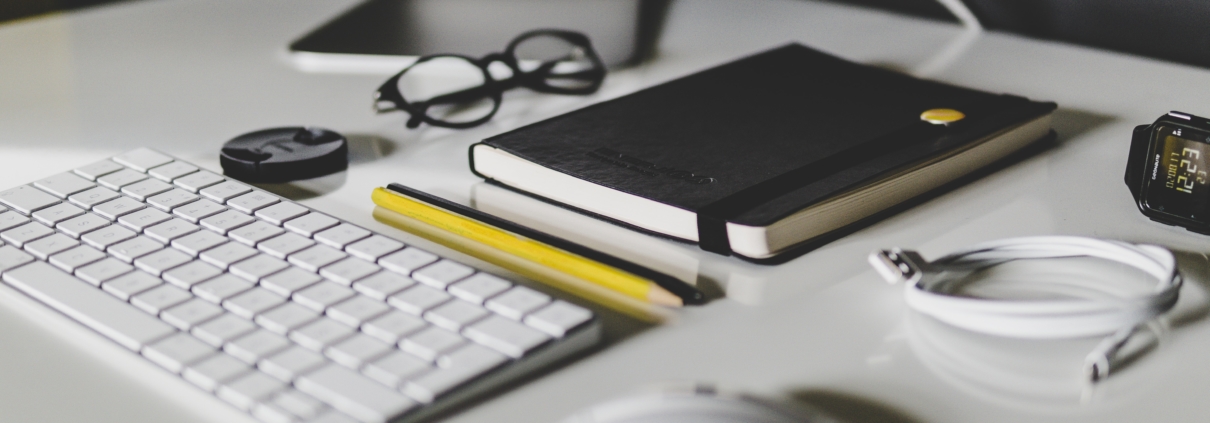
pixel 388 92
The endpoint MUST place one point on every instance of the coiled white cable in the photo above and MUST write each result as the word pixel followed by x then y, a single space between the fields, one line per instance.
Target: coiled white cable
pixel 929 286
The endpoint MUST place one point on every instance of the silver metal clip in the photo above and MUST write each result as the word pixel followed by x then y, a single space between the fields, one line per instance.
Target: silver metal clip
pixel 897 265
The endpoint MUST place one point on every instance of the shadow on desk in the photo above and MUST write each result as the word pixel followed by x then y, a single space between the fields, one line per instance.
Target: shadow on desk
pixel 851 408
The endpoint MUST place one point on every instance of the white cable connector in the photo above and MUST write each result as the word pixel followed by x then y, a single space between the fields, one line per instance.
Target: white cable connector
pixel 928 283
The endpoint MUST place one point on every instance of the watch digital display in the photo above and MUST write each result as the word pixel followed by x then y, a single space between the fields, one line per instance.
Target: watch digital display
pixel 1176 177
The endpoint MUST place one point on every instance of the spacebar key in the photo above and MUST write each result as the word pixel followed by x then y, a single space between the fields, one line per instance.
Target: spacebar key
pixel 353 393
pixel 94 308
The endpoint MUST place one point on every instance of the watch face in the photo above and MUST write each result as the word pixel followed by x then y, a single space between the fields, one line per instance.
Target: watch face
pixel 1176 177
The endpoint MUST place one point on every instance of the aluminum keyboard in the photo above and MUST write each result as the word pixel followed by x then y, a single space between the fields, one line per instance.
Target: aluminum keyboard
pixel 282 311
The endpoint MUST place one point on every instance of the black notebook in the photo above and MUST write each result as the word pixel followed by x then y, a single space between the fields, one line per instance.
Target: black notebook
pixel 759 155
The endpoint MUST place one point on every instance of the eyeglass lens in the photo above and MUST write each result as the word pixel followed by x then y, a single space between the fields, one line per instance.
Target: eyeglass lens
pixel 438 83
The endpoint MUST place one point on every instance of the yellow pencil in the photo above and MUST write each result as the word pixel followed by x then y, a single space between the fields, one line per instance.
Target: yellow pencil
pixel 528 249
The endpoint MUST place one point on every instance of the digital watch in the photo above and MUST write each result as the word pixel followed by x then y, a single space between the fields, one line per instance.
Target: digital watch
pixel 1166 170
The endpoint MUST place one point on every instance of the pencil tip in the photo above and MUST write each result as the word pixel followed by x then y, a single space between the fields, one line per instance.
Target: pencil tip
pixel 661 296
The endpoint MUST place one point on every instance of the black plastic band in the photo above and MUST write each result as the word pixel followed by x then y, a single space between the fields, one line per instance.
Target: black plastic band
pixel 712 219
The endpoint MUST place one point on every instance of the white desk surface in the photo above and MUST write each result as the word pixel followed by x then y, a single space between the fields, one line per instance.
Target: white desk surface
pixel 184 76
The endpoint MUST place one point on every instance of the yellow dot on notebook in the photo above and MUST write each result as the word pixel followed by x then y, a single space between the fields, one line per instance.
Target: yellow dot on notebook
pixel 941 116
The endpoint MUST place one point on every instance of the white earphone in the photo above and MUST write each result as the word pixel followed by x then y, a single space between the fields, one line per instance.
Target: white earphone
pixel 929 283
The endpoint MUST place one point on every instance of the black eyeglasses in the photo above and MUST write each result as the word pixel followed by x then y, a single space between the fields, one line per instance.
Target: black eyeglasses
pixel 455 91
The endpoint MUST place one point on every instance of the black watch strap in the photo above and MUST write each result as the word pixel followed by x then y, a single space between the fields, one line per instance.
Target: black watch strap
pixel 1137 159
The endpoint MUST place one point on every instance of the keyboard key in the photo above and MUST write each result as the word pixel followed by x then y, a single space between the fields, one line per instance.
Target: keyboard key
pixel 252 302
pixel 393 326
pixel 352 393
pixel 517 302
pixel 44 247
pixel 258 267
pixel 322 295
pixel 395 367
pixel 145 189
pixel 197 242
pixel 284 245
pixel 224 191
pixel 333 416
pixel 281 212
pixel 356 310
pixel 121 178
pixel 316 257
pixel 107 236
pixel 247 390
pixel 226 221
pixel 134 248
pixel 321 333
pixel 285 318
pixel 348 270
pixel 289 281
pixel 98 169
pixel 81 225
pixel 506 336
pixel 143 219
pixel 357 350
pixel 254 233
pixel 227 254
pixel 222 329
pixel 342 235
pixel 9 220
pixel 160 298
pixel 171 171
pixel 299 404
pixel 374 247
pixel 256 345
pixel 93 197
pixel 474 359
pixel 198 180
pixel 479 288
pixel 209 373
pixel 191 313
pixel 102 271
pixel 160 261
pixel 198 210
pixel 310 224
pixel 113 209
pixel 142 159
pixel 64 184
pixel 442 273
pixel 190 274
pixel 26 199
pixel 291 363
pixel 11 257
pixel 418 299
pixel 429 343
pixel 381 285
pixel 172 199
pixel 220 288
pixel 170 230
pixel 455 315
pixel 558 318
pixel 99 311
pixel 130 284
pixel 177 351
pixel 75 258
pixel 253 201
pixel 57 213
pixel 20 235
pixel 407 260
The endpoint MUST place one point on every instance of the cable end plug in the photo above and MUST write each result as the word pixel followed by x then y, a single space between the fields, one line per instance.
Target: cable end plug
pixel 897 265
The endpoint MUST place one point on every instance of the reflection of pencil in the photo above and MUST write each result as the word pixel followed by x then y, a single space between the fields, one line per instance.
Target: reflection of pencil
pixel 526 248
